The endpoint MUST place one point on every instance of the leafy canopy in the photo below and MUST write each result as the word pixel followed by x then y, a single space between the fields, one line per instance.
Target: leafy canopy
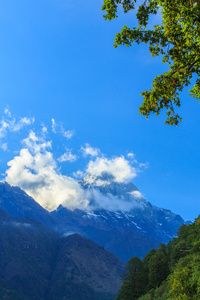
pixel 176 39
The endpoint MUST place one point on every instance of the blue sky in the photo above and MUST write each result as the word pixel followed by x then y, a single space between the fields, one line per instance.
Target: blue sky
pixel 57 61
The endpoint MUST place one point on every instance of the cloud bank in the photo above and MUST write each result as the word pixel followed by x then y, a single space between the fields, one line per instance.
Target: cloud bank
pixel 114 203
pixel 120 168
pixel 37 171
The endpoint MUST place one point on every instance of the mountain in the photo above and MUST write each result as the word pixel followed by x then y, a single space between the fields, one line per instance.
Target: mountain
pixel 18 205
pixel 84 270
pixel 125 233
pixel 144 218
pixel 109 229
pixel 132 228
pixel 38 263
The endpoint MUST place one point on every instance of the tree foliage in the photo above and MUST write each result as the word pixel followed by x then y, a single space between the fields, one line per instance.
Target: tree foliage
pixel 184 282
pixel 134 280
pixel 176 39
pixel 158 267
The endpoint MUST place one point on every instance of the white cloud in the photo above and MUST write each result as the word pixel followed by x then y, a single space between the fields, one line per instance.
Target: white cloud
pixel 17 224
pixel 79 174
pixel 136 194
pixel 3 128
pixel 36 144
pixel 35 171
pixel 69 233
pixel 4 146
pixel 10 124
pixel 58 127
pixel 144 165
pixel 16 126
pixel 131 155
pixel 7 112
pixel 118 167
pixel 88 150
pixel 67 156
pixel 44 129
pixel 111 202
pixel 53 125
pixel 67 133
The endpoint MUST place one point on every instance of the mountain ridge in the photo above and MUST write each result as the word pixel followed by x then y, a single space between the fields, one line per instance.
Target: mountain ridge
pixel 124 233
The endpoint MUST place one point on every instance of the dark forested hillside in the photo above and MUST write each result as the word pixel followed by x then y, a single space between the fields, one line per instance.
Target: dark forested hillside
pixel 168 272
pixel 37 263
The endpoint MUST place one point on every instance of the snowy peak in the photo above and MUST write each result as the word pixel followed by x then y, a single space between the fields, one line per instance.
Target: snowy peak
pixel 105 183
pixel 97 180
pixel 107 180
pixel 106 193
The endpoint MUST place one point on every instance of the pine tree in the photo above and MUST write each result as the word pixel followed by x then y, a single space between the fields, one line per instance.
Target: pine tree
pixel 134 284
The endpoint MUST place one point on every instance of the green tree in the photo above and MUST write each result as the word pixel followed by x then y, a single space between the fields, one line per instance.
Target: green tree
pixel 176 39
pixel 134 284
pixel 146 261
pixel 178 251
pixel 147 258
pixel 184 282
pixel 160 293
pixel 158 267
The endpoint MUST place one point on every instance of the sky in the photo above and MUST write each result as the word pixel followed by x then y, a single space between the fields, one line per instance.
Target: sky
pixel 69 105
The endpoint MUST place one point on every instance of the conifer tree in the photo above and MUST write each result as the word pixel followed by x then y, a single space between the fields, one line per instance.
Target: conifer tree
pixel 134 284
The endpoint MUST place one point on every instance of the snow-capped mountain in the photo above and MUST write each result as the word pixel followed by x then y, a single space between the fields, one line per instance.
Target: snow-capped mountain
pixel 133 227
pixel 118 217
pixel 143 217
